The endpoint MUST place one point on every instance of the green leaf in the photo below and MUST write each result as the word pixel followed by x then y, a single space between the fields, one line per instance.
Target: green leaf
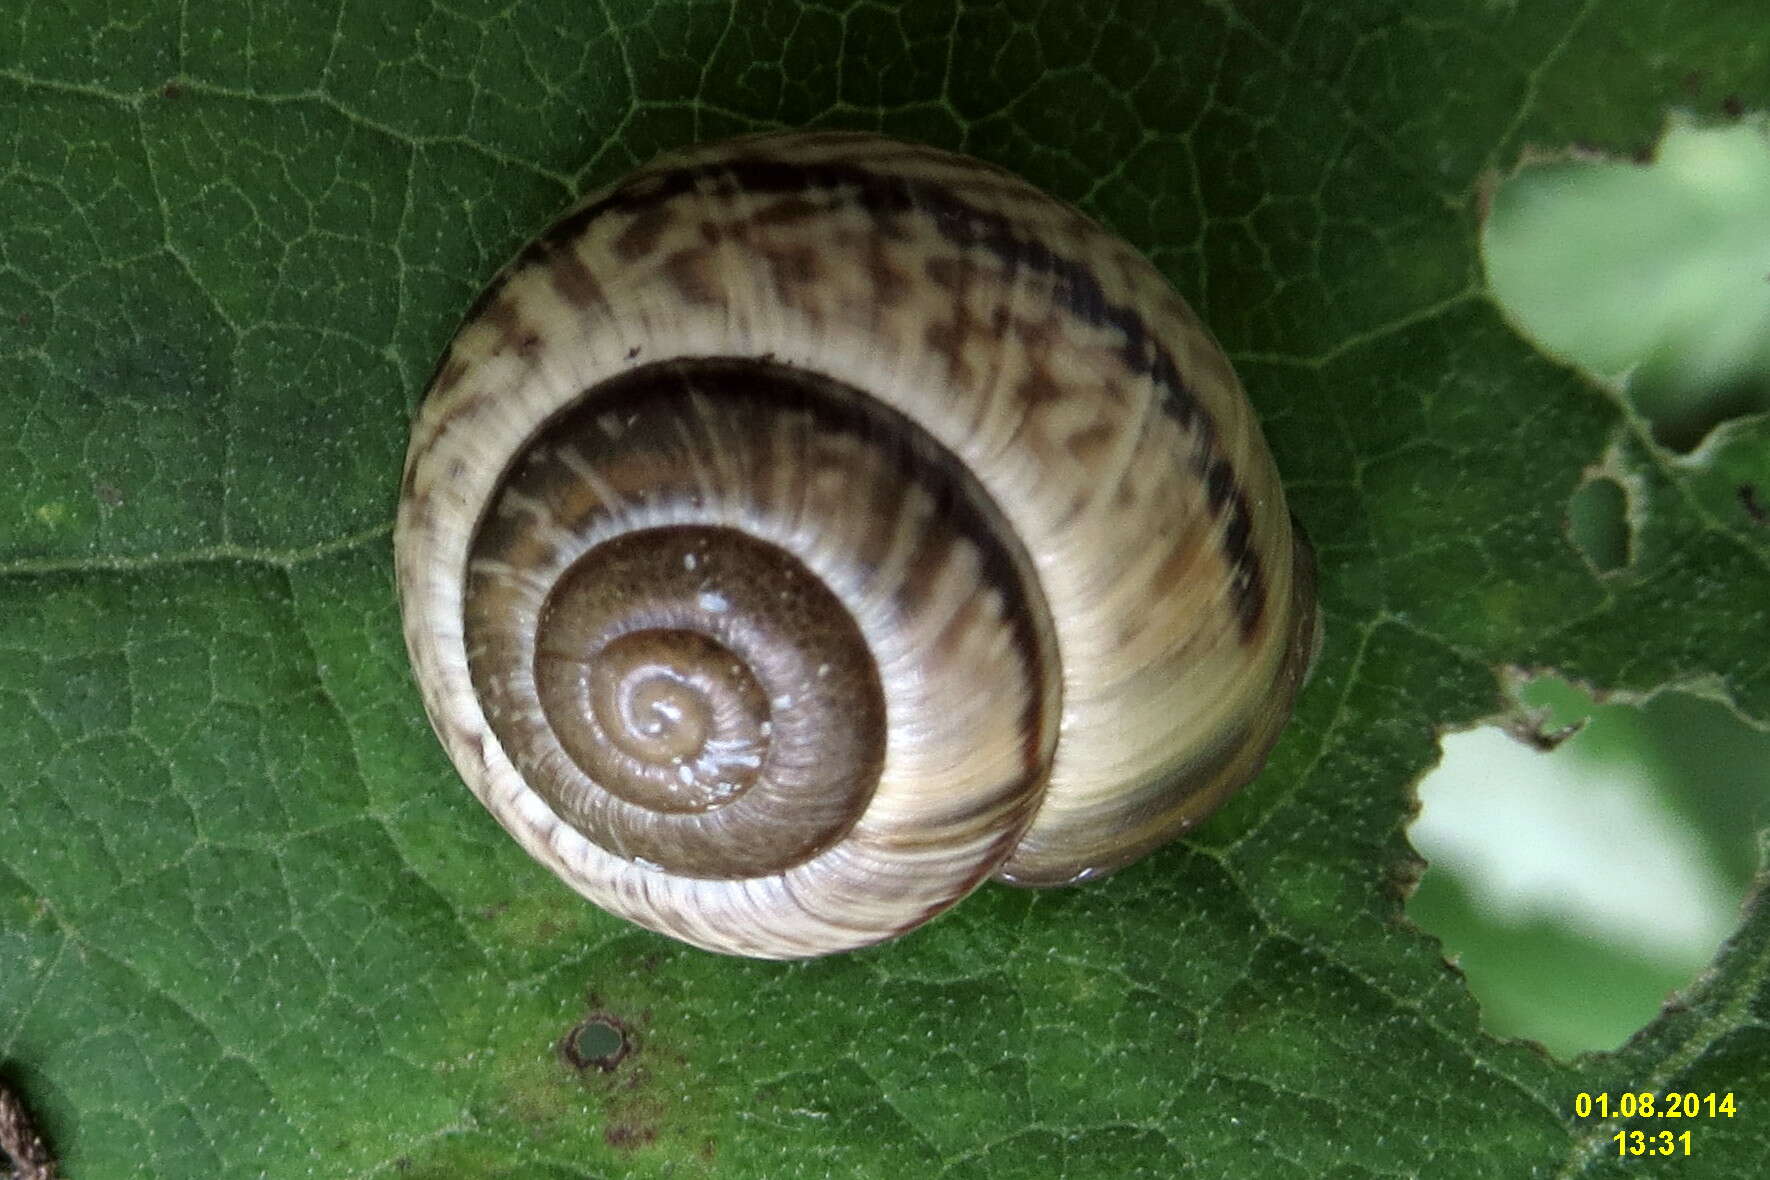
pixel 252 924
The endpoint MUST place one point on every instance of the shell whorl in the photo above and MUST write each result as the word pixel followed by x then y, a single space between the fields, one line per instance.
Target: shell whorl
pixel 810 526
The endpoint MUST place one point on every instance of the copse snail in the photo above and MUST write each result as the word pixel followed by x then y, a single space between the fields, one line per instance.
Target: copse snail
pixel 811 526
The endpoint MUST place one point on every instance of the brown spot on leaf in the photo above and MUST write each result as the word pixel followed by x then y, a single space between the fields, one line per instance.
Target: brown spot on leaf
pixel 1754 507
pixel 629 1136
pixel 1404 877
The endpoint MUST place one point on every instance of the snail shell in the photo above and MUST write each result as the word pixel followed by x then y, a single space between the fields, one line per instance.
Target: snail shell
pixel 809 526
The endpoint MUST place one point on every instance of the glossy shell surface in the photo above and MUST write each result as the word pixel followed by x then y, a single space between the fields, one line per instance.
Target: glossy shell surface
pixel 810 526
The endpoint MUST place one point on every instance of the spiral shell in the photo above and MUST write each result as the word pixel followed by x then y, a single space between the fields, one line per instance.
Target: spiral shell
pixel 811 525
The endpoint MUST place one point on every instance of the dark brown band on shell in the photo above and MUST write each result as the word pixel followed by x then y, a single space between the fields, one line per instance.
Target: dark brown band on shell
pixel 647 198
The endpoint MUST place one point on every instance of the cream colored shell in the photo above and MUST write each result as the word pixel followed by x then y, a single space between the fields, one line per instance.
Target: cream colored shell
pixel 973 445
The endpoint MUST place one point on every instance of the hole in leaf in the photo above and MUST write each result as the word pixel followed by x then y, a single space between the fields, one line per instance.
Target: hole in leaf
pixel 1656 272
pixel 1598 523
pixel 599 1042
pixel 1578 889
